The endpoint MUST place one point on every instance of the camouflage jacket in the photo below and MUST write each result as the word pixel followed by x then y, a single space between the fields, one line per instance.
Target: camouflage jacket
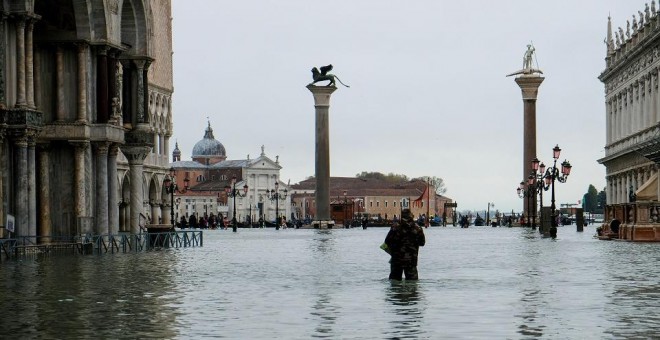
pixel 404 241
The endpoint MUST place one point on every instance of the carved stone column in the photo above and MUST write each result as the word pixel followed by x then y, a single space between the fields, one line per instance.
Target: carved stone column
pixel 136 156
pixel 80 197
pixel 20 62
pixel 45 218
pixel 102 180
pixel 3 167
pixel 21 198
pixel 82 83
pixel 29 64
pixel 59 75
pixel 113 190
pixel 141 112
pixel 322 164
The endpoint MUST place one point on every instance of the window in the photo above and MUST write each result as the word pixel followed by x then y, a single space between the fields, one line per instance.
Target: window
pixel 371 204
pixel 377 203
pixel 395 204
pixel 385 207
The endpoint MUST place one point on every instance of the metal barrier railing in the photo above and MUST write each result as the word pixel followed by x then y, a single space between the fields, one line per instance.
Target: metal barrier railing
pixel 101 244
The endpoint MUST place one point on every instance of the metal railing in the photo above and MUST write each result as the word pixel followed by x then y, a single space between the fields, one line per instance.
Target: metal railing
pixel 100 244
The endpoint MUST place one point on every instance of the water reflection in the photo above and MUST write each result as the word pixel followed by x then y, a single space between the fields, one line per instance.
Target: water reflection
pixel 75 296
pixel 478 283
pixel 531 285
pixel 406 299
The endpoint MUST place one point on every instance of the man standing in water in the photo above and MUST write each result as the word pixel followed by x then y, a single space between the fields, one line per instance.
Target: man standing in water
pixel 403 242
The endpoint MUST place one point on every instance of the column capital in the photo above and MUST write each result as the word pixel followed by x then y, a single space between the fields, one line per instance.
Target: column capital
pixel 102 147
pixel 80 145
pixel 321 94
pixel 529 85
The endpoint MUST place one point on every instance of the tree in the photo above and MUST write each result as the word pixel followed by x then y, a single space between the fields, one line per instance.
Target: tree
pixel 602 202
pixel 590 199
pixel 391 177
pixel 436 182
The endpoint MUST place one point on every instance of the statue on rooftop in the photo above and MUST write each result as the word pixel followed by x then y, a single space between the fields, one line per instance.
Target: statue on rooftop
pixel 627 29
pixel 653 13
pixel 647 13
pixel 323 75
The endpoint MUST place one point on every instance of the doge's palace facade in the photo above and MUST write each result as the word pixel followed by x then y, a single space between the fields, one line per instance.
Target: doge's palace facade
pixel 632 102
pixel 85 114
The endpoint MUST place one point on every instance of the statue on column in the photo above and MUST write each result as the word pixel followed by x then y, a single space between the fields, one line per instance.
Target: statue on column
pixel 323 75
pixel 528 63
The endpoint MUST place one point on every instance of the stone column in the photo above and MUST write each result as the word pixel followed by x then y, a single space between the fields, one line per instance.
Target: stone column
pixel 80 197
pixel 29 64
pixel 102 86
pixel 32 186
pixel 155 210
pixel 37 83
pixel 113 190
pixel 608 121
pixel 142 86
pixel 3 99
pixel 21 198
pixel 3 162
pixel 20 62
pixel 529 85
pixel 136 156
pixel 102 179
pixel 82 84
pixel 59 75
pixel 167 212
pixel 322 159
pixel 45 218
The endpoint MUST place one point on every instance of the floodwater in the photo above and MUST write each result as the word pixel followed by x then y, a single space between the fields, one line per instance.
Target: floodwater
pixel 476 283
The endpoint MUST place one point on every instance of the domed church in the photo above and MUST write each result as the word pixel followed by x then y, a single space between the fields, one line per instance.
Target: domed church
pixel 201 183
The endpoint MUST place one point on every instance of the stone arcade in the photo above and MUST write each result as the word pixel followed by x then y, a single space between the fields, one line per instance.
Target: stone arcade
pixel 85 114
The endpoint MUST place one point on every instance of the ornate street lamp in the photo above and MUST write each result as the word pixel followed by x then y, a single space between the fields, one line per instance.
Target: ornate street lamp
pixel 233 192
pixel 170 187
pixel 275 195
pixel 538 171
pixel 552 175
pixel 527 190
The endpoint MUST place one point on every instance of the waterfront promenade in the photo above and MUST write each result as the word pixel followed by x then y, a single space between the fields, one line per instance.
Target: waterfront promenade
pixel 476 283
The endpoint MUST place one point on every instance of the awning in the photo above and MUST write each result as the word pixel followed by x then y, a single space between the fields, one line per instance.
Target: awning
pixel 649 190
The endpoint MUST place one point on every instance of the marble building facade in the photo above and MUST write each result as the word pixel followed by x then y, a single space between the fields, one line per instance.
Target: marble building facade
pixel 632 102
pixel 85 114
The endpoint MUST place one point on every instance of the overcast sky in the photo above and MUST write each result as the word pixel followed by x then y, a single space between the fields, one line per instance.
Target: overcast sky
pixel 429 94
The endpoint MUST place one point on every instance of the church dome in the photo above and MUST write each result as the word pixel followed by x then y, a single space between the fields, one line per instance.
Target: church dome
pixel 209 147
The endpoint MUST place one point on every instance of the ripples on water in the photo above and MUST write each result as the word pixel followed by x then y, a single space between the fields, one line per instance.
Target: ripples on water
pixel 488 283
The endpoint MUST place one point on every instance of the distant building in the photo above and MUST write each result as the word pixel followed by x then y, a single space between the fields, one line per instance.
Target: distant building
pixel 201 183
pixel 354 197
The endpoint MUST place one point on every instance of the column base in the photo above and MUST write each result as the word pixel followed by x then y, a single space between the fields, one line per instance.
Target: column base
pixel 323 224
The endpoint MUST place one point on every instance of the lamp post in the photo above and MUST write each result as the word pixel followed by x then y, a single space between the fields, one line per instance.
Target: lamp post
pixel 275 195
pixel 170 187
pixel 538 171
pixel 233 192
pixel 552 175
pixel 526 190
